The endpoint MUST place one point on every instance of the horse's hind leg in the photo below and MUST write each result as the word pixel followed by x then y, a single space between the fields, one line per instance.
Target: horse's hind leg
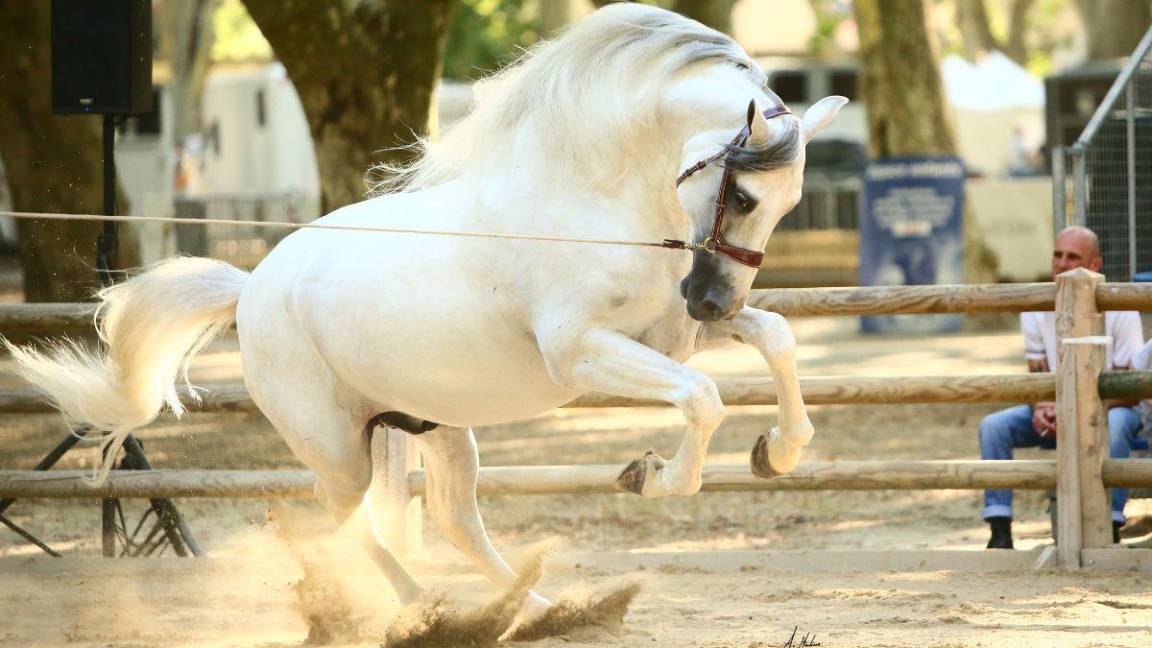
pixel 452 464
pixel 329 437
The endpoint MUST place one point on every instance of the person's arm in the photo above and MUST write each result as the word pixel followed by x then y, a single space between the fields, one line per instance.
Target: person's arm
pixel 1127 339
pixel 1043 412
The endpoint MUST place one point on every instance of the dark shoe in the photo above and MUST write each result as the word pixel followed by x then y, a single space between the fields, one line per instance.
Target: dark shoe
pixel 1001 533
pixel 1116 531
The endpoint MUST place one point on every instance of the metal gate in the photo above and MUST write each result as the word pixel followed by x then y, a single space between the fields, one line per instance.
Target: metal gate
pixel 1111 171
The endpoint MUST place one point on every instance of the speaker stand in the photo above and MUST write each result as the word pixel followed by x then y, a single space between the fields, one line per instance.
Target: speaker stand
pixel 168 528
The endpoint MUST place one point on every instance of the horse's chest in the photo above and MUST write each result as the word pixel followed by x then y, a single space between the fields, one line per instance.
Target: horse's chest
pixel 676 335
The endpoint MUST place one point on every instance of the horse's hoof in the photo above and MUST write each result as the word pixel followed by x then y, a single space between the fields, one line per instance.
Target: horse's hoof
pixel 631 479
pixel 761 466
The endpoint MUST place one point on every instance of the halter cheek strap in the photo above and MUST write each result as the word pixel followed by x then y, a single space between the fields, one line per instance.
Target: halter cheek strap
pixel 715 243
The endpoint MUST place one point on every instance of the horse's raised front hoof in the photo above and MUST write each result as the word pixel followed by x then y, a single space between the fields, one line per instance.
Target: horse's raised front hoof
pixel 761 466
pixel 632 478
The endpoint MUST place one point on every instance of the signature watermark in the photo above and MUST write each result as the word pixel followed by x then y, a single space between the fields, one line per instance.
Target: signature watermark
pixel 805 641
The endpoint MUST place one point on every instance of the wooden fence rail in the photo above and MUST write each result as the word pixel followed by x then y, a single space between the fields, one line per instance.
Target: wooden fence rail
pixel 790 302
pixel 855 390
pixel 1079 474
pixel 575 480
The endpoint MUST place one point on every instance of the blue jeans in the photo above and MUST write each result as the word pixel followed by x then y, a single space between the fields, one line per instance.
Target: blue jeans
pixel 1012 428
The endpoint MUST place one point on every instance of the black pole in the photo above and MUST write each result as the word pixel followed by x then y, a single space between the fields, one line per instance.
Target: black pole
pixel 29 537
pixel 173 523
pixel 47 462
pixel 106 243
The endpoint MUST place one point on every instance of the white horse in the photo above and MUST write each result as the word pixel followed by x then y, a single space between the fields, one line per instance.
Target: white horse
pixel 583 138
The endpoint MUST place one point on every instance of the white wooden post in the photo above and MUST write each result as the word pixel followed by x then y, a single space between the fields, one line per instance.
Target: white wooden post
pixel 398 513
pixel 1083 513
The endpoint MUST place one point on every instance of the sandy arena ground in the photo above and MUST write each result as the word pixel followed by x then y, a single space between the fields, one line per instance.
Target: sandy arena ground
pixel 734 570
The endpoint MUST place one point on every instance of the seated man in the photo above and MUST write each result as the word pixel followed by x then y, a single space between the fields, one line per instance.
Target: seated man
pixel 1026 426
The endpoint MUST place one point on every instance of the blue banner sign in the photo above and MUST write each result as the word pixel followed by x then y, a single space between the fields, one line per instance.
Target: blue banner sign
pixel 911 233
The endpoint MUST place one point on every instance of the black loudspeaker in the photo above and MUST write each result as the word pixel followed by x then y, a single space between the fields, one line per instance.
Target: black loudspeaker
pixel 101 56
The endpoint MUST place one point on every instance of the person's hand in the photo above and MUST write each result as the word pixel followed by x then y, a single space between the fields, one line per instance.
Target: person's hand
pixel 1044 418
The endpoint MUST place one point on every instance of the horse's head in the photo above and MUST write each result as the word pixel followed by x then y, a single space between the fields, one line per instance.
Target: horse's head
pixel 736 197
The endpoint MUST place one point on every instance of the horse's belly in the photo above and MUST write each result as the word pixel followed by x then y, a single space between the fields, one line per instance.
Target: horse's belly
pixel 469 389
pixel 457 367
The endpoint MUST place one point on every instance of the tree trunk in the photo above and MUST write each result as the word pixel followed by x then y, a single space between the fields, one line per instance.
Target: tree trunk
pixel 904 98
pixel 365 72
pixel 900 81
pixel 556 15
pixel 1016 46
pixel 53 163
pixel 975 30
pixel 717 14
pixel 1114 27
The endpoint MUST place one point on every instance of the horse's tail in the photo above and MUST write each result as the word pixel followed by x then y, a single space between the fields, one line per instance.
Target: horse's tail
pixel 151 326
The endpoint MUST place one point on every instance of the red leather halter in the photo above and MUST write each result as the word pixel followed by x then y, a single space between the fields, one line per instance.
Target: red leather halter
pixel 715 243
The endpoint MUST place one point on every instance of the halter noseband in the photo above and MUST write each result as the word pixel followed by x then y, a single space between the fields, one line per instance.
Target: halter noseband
pixel 715 243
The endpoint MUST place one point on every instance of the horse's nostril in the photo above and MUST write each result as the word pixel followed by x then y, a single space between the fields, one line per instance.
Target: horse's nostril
pixel 711 309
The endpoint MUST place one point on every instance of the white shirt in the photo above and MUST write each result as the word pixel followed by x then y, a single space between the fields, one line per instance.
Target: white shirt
pixel 1123 326
pixel 1142 359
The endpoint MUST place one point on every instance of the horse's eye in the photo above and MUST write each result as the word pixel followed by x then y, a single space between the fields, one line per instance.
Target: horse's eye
pixel 742 203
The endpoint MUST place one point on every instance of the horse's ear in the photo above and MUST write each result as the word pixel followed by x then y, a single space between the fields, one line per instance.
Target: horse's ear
pixel 819 115
pixel 758 135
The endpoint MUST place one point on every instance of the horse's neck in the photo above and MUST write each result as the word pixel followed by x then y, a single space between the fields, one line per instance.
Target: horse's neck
pixel 535 195
pixel 532 184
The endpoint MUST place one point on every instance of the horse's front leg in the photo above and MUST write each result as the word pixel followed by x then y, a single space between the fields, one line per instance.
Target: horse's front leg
pixel 779 451
pixel 610 362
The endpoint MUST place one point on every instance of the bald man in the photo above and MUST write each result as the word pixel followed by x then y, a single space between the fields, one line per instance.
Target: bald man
pixel 1026 426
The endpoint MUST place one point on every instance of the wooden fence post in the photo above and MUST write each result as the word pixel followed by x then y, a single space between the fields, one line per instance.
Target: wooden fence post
pixel 398 514
pixel 1084 516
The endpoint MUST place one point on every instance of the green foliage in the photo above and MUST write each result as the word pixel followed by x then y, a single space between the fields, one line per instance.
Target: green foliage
pixel 830 14
pixel 488 34
pixel 237 38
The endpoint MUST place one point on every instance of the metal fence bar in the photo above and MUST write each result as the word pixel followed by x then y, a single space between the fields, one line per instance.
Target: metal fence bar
pixel 1059 191
pixel 1110 176
pixel 1113 95
pixel 1130 104
pixel 1079 189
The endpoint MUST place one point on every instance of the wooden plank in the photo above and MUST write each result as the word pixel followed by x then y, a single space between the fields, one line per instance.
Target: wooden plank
pixel 1124 296
pixel 1125 385
pixel 888 300
pixel 1092 437
pixel 742 562
pixel 961 298
pixel 1081 418
pixel 836 475
pixel 1092 416
pixel 591 479
pixel 1127 473
pixel 1067 472
pixel 859 390
pixel 541 480
pixel 1008 388
pixel 47 318
pixel 1046 559
pixel 57 484
pixel 872 300
pixel 1118 559
pixel 396 512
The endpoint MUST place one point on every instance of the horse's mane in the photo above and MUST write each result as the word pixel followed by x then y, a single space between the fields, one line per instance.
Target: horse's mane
pixel 582 97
